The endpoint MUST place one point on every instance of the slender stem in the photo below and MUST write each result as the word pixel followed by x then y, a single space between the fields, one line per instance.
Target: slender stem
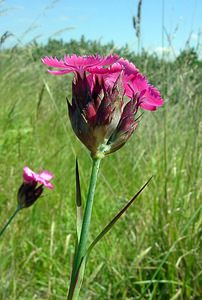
pixel 11 218
pixel 82 246
pixel 88 210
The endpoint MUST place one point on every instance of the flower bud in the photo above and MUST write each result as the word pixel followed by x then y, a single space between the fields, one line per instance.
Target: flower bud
pixel 95 110
pixel 28 194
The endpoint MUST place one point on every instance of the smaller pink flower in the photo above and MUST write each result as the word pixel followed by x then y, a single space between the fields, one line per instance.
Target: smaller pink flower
pixel 43 178
pixel 30 191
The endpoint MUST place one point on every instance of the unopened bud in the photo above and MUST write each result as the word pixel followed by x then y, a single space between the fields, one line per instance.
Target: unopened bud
pixel 28 193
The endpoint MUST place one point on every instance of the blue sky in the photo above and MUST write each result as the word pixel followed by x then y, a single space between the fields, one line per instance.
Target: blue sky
pixel 104 20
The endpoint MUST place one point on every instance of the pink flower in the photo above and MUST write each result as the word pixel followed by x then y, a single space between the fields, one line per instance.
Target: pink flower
pixel 106 95
pixel 43 178
pixel 109 67
pixel 28 192
pixel 79 64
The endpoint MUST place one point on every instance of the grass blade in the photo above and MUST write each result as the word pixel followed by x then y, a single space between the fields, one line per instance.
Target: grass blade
pixel 115 219
pixel 169 252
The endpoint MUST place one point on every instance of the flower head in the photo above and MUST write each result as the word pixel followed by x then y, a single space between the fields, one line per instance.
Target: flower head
pixel 106 95
pixel 28 193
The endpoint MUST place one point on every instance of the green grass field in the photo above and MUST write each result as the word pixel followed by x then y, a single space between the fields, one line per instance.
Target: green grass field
pixel 154 250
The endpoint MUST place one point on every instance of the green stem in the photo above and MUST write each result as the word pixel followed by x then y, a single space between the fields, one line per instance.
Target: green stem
pixel 82 246
pixel 11 218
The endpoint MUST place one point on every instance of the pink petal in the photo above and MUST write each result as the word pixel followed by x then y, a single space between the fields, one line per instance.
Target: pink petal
pixel 110 79
pixel 46 183
pixel 129 68
pixel 53 62
pixel 83 62
pixel 88 61
pixel 109 60
pixel 29 175
pixel 79 64
pixel 108 70
pixel 46 175
pixel 49 185
pixel 138 85
pixel 153 96
pixel 147 106
pixel 135 84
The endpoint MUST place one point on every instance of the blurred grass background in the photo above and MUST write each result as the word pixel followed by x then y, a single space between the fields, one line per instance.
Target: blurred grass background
pixel 154 251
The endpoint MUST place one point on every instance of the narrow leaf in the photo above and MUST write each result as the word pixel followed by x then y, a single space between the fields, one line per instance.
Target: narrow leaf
pixel 79 217
pixel 76 285
pixel 115 219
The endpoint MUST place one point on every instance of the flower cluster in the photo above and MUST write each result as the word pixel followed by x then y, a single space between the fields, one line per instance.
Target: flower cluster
pixel 28 193
pixel 106 95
